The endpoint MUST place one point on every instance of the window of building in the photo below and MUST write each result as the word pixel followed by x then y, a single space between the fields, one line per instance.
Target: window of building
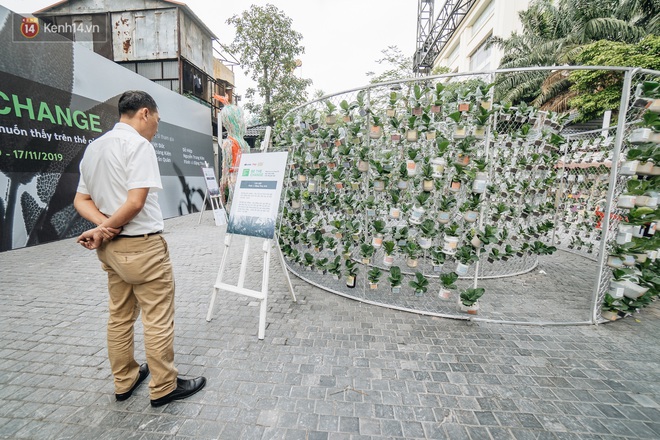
pixel 483 17
pixel 480 58
pixel 453 56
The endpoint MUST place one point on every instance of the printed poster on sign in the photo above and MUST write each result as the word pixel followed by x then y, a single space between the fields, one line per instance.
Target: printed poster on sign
pixel 256 200
pixel 213 191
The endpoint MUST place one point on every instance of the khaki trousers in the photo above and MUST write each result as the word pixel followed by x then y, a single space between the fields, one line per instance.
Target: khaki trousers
pixel 140 276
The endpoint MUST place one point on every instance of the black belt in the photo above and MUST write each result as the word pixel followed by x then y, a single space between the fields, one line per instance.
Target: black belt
pixel 139 235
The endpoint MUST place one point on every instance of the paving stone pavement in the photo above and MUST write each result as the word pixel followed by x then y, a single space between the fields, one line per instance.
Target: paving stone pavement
pixel 328 368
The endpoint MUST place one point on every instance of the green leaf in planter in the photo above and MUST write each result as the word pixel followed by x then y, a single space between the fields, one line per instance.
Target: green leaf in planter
pixel 448 280
pixel 388 247
pixel 374 275
pixel 456 116
pixel 471 296
pixel 395 276
pixel 420 283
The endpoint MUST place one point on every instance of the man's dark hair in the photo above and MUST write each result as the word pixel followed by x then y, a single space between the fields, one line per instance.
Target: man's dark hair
pixel 133 100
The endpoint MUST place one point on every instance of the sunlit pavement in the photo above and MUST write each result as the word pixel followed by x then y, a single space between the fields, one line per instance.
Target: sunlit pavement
pixel 328 368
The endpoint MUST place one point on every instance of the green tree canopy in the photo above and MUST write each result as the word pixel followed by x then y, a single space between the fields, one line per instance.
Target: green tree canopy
pixel 267 47
pixel 555 33
pixel 397 66
pixel 600 90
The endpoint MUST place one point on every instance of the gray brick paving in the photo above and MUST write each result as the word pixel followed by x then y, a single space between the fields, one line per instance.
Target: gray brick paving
pixel 329 368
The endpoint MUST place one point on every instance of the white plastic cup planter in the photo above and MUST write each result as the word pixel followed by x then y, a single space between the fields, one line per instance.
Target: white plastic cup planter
pixel 455 186
pixel 623 237
pixel 476 242
pixel 470 216
pixel 655 171
pixel 388 260
pixel 443 217
pixel 628 168
pixel 614 261
pixel 411 166
pixel 633 291
pixel 461 269
pixel 363 166
pixel 416 215
pixel 479 184
pixel 395 212
pixel 640 136
pixel 302 178
pixel 645 168
pixel 444 294
pixel 411 262
pixel 377 241
pixel 311 186
pixel 450 245
pixel 638 231
pixel 652 255
pixel 379 185
pixel 428 185
pixel 616 292
pixel 628 260
pixel 411 135
pixel 375 132
pixel 626 201
pixel 402 184
pixel 438 165
pixel 424 242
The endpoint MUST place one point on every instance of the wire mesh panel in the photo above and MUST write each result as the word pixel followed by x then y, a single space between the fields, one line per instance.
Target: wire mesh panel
pixel 422 193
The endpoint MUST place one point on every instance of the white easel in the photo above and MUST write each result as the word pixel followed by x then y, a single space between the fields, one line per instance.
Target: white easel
pixel 262 294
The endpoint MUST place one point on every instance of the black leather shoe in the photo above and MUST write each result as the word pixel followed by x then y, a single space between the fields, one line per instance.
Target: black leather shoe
pixel 184 388
pixel 144 372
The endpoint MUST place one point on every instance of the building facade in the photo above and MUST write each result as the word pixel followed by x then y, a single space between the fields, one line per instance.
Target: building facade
pixel 465 49
pixel 161 40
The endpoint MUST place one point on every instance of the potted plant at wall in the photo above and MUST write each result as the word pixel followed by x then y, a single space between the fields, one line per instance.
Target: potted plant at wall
pixel 437 258
pixel 445 206
pixel 403 176
pixel 346 109
pixel 334 267
pixel 451 239
pixel 383 171
pixel 438 97
pixel 470 299
pixel 363 162
pixel 412 251
pixel 470 208
pixel 459 125
pixel 351 273
pixel 376 129
pixel 410 162
pixel 378 227
pixel 420 284
pixel 330 116
pixel 419 209
pixel 395 278
pixel 366 252
pixel 465 256
pixel 400 235
pixel 427 232
pixel 448 282
pixel 373 276
pixel 390 112
pixel 481 119
pixel 412 130
pixel 428 183
pixel 388 251
pixel 417 99
pixel 395 123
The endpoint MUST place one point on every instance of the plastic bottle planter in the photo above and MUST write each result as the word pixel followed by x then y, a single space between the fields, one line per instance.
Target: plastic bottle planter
pixel 626 201
pixel 428 185
pixel 624 234
pixel 377 241
pixel 411 135
pixel 632 290
pixel 640 136
pixel 443 217
pixel 411 262
pixel 461 269
pixel 425 242
pixel 476 242
pixel 479 184
pixel 311 186
pixel 295 204
pixel 416 215
pixel 648 201
pixel 430 135
pixel 628 260
pixel 450 245
pixel 644 168
pixel 438 164
pixel 375 132
pixel 402 184
pixel 470 310
pixel 379 185
pixel 650 229
pixel 388 260
pixel 350 281
pixel 638 231
pixel 302 178
pixel 411 166
pixel 614 261
pixel 460 132
pixel 470 216
pixel 616 289
pixel 628 167
pixel 455 186
pixel 395 212
pixel 655 171
pixel 363 166
pixel 444 294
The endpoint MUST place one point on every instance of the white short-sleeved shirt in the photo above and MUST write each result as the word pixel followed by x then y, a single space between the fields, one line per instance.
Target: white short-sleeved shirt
pixel 116 162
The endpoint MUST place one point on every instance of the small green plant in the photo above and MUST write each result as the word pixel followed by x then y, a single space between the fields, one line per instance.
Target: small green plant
pixel 374 275
pixel 420 284
pixel 470 296
pixel 395 278
pixel 448 280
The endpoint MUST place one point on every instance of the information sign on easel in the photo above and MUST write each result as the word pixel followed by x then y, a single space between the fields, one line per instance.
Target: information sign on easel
pixel 213 195
pixel 253 213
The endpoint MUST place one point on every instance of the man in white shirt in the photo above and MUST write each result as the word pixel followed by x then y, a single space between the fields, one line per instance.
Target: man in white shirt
pixel 119 180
